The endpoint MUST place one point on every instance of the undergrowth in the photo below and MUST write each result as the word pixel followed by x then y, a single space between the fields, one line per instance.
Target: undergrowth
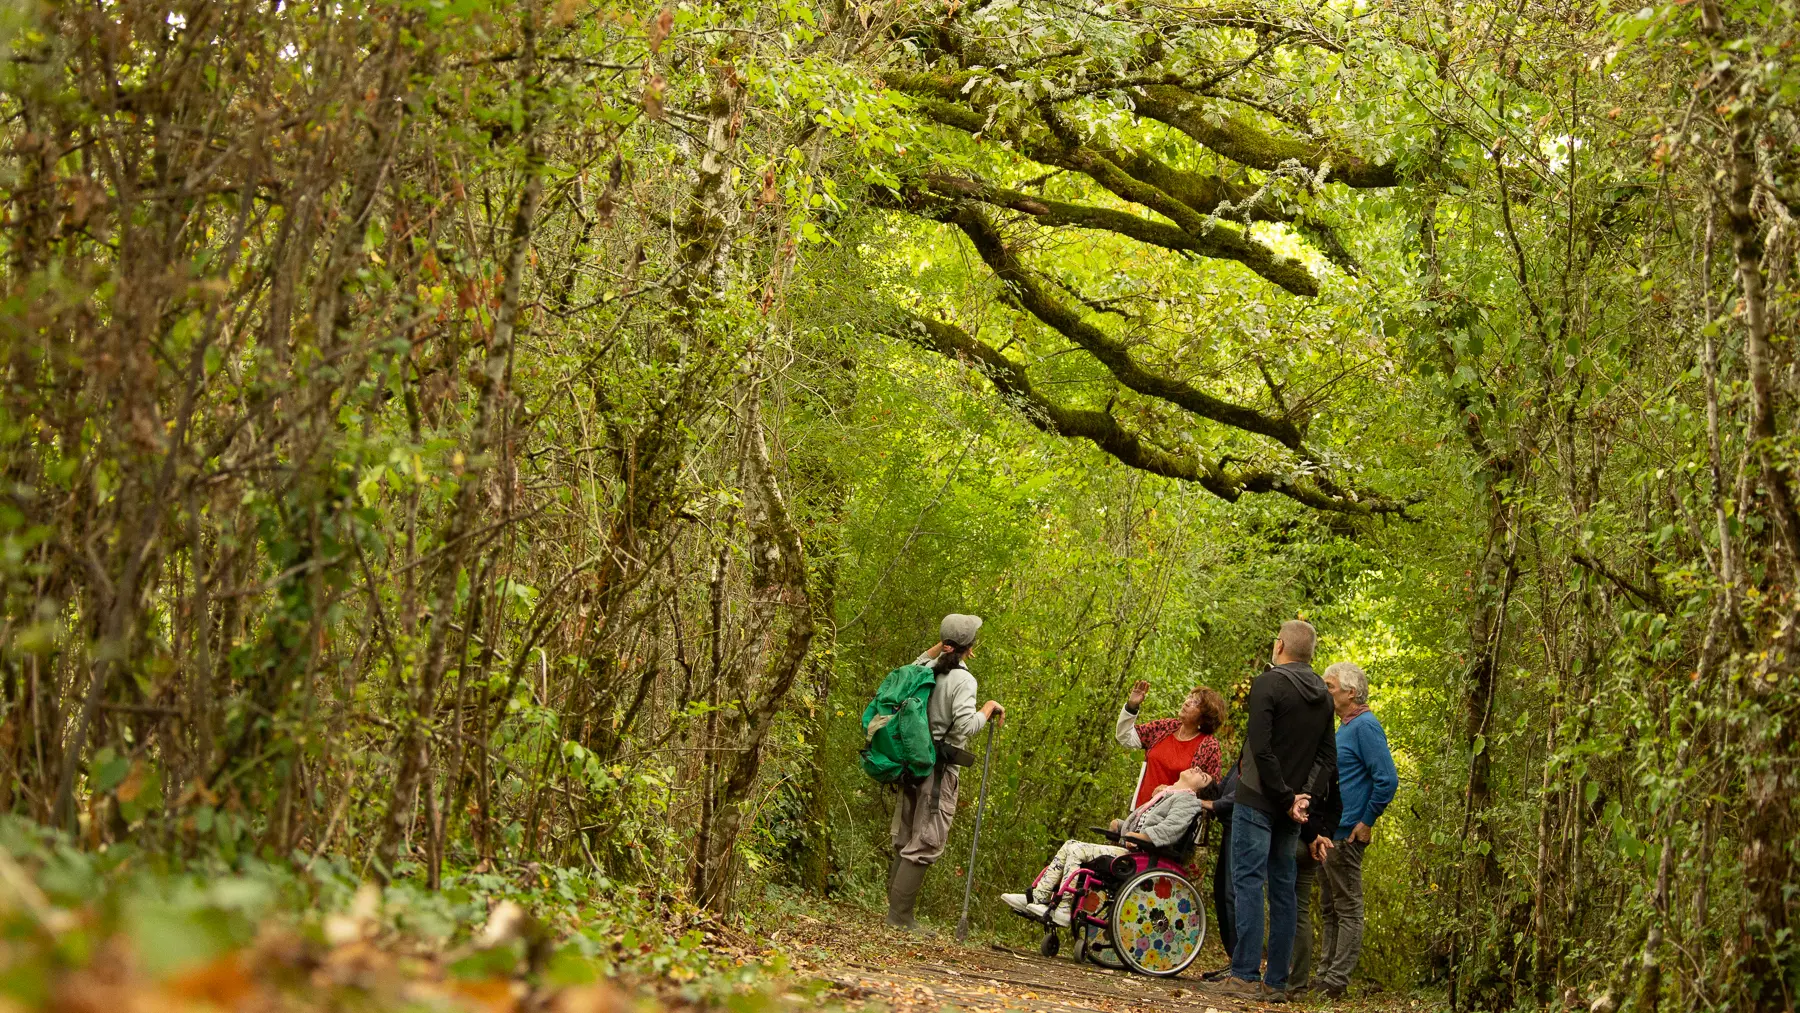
pixel 100 931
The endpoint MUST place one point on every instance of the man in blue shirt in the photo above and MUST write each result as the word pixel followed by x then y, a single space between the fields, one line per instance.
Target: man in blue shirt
pixel 1366 783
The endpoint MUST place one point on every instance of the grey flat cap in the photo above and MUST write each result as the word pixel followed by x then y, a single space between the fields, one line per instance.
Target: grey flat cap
pixel 959 629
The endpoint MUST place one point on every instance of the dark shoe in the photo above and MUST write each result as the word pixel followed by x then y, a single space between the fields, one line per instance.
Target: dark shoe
pixel 903 893
pixel 1217 974
pixel 1239 988
pixel 1275 996
pixel 1335 992
pixel 1297 991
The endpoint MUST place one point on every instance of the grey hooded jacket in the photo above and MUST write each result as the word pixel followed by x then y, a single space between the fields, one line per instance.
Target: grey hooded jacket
pixel 1165 817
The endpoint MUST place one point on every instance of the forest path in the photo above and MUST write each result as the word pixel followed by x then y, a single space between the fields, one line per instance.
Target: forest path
pixel 867 963
pixel 929 976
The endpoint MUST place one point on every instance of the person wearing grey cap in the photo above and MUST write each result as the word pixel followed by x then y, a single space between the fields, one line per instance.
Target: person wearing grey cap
pixel 921 825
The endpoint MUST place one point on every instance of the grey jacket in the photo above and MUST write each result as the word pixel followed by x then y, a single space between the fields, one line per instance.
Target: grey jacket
pixel 954 715
pixel 1164 818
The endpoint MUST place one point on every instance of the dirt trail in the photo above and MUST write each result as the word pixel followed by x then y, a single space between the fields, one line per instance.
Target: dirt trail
pixel 991 979
pixel 868 963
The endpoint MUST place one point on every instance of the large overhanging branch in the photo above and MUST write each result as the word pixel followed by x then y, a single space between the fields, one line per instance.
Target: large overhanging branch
pixel 1247 144
pixel 1199 190
pixel 1222 241
pixel 1037 300
pixel 1202 192
pixel 935 96
pixel 1067 151
pixel 1195 114
pixel 1106 432
pixel 1203 205
pixel 1258 18
pixel 1206 192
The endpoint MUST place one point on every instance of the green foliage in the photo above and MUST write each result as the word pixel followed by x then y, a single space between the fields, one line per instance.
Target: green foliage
pixel 458 437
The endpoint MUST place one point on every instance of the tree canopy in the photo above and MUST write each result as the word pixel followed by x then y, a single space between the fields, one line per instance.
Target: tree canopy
pixel 455 435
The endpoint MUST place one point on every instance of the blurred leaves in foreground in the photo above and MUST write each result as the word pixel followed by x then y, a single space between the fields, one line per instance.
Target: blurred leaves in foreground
pixel 124 931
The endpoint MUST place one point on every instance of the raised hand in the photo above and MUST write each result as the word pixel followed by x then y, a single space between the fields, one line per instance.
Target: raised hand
pixel 1138 690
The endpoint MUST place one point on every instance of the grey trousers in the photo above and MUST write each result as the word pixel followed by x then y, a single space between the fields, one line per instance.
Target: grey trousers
pixel 921 824
pixel 1306 879
pixel 1342 904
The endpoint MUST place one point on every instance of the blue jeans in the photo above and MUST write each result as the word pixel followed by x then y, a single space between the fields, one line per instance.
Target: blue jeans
pixel 1262 853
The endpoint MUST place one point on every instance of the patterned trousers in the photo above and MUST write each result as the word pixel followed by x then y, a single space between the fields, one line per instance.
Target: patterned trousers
pixel 1068 858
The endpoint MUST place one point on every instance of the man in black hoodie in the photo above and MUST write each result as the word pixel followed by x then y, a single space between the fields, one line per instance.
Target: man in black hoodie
pixel 1289 759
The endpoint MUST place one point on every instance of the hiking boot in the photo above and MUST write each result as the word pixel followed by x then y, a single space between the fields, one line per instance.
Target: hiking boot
pixel 1276 996
pixel 1335 992
pixel 1240 989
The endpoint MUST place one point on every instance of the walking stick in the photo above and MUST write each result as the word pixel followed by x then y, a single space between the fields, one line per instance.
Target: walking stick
pixel 962 926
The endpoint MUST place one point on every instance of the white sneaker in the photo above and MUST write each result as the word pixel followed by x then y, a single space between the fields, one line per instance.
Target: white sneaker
pixel 1017 902
pixel 1061 915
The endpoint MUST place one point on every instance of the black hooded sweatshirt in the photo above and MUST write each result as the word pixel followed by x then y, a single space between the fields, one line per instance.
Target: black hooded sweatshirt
pixel 1289 744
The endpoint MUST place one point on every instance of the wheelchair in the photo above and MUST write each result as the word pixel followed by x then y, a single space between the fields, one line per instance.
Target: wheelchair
pixel 1135 911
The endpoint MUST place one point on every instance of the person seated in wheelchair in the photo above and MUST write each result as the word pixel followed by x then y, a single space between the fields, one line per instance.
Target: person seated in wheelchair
pixel 1165 822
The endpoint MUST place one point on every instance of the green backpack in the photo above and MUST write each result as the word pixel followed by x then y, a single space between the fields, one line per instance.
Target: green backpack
pixel 896 729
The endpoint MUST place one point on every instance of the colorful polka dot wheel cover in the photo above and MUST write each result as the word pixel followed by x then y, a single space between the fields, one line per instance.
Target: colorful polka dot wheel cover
pixel 1159 924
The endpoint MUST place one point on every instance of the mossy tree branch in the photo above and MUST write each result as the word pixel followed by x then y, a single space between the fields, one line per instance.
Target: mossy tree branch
pixel 1191 199
pixel 1192 213
pixel 1247 144
pixel 1201 117
pixel 1107 433
pixel 1222 241
pixel 1037 300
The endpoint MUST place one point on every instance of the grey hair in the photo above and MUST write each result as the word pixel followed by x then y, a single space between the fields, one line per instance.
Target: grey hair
pixel 1350 676
pixel 1298 639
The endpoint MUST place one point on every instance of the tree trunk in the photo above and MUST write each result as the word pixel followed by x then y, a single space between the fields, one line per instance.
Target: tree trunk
pixel 778 583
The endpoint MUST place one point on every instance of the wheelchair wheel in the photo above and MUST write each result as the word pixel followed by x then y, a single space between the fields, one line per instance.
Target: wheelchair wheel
pixel 1158 923
pixel 1094 944
pixel 1051 943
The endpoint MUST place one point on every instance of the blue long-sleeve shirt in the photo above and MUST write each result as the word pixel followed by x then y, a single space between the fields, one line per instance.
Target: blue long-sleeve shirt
pixel 1366 776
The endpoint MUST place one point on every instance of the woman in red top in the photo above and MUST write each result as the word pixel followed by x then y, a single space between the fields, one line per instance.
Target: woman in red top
pixel 1172 745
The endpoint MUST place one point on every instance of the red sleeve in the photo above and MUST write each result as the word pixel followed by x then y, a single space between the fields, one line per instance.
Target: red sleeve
pixel 1151 732
pixel 1206 756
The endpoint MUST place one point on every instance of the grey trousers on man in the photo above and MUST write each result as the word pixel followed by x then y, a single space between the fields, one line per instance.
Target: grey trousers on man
pixel 1342 903
pixel 1306 878
pixel 920 828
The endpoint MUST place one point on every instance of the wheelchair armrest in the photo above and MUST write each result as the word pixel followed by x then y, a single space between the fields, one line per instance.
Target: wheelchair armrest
pixel 1172 852
pixel 1106 832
